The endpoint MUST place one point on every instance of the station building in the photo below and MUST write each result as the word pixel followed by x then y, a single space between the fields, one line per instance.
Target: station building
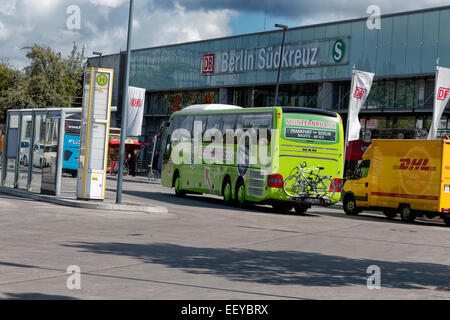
pixel 316 69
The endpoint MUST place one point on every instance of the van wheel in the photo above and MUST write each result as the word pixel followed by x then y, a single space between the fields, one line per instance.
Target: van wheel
pixel 300 208
pixel 447 220
pixel 390 213
pixel 406 215
pixel 282 206
pixel 350 207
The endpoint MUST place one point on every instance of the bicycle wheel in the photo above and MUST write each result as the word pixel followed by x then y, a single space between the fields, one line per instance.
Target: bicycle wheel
pixel 293 186
pixel 323 187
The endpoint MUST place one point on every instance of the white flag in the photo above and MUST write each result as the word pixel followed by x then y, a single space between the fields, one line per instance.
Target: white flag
pixel 361 84
pixel 442 94
pixel 135 114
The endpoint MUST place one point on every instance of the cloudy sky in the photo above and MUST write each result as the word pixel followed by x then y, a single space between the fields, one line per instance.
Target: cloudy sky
pixel 103 23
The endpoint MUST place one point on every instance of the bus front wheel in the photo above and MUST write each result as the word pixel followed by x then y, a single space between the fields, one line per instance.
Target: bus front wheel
pixel 177 184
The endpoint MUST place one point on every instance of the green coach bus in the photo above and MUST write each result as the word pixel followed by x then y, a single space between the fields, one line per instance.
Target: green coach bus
pixel 245 154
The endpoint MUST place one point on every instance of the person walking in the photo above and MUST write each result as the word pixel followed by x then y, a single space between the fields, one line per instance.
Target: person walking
pixel 133 162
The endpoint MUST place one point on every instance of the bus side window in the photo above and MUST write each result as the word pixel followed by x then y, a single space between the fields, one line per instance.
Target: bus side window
pixel 228 123
pixel 214 122
pixel 262 123
pixel 203 119
pixel 177 133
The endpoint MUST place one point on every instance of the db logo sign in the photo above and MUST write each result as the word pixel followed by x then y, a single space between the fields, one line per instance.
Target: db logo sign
pixel 208 63
pixel 442 93
pixel 136 102
pixel 359 92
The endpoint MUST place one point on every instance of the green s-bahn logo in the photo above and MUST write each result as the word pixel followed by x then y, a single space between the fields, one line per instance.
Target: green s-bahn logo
pixel 338 51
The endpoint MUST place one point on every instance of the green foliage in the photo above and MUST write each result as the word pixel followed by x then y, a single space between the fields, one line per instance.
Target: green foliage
pixel 48 81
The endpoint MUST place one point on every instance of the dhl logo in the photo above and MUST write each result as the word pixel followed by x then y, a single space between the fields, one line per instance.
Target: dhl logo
pixel 415 164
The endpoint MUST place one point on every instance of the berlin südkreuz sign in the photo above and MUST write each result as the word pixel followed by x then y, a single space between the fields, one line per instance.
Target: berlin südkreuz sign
pixel 305 54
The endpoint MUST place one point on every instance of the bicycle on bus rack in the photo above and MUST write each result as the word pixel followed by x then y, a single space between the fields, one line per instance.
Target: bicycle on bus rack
pixel 305 183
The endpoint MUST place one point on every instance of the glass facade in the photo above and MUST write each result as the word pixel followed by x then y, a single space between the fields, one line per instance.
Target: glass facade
pixel 406 44
pixel 316 68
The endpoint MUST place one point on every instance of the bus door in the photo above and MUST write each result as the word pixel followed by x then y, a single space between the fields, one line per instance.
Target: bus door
pixel 360 184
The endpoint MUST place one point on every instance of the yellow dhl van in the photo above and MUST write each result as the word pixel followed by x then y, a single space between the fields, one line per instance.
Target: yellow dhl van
pixel 410 177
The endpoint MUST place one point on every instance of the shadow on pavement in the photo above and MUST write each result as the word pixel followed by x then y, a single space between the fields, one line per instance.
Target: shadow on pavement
pixel 201 201
pixel 36 296
pixel 210 202
pixel 277 267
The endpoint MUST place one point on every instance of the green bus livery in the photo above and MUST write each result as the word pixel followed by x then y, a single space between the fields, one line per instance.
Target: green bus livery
pixel 247 154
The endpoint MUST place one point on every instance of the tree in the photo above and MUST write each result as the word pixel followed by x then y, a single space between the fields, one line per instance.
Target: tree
pixel 48 81
pixel 9 98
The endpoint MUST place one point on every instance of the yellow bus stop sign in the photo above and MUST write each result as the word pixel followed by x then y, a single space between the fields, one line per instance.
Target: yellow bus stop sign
pixel 102 79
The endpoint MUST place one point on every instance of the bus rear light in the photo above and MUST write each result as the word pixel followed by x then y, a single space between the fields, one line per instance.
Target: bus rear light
pixel 275 181
pixel 336 186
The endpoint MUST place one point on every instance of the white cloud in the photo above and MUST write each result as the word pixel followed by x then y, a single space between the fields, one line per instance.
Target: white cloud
pixel 40 7
pixel 8 7
pixel 4 34
pixel 109 3
pixel 179 25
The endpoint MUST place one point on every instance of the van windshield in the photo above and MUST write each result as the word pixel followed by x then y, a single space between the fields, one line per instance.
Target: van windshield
pixel 363 170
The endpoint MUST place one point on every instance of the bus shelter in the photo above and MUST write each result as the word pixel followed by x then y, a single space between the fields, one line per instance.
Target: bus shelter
pixel 33 149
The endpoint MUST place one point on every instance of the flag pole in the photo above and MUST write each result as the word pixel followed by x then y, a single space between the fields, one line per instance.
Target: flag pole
pixel 431 134
pixel 123 131
pixel 347 124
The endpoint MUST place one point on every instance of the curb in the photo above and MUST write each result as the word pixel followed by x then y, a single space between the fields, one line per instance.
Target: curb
pixel 83 204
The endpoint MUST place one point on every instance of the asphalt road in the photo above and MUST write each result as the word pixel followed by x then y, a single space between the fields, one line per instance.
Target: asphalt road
pixel 202 249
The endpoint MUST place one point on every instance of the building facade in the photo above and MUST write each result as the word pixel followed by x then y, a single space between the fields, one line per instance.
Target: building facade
pixel 316 67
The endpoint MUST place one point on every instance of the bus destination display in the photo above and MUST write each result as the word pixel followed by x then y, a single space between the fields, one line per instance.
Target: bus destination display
pixel 310 134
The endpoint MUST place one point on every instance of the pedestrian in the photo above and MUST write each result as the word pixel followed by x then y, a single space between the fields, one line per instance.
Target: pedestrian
pixel 133 162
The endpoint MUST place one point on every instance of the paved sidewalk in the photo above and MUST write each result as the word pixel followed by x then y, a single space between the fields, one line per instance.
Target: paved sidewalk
pixel 71 201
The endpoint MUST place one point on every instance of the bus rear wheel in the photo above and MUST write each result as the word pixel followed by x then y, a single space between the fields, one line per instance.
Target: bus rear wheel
pixel 227 192
pixel 240 194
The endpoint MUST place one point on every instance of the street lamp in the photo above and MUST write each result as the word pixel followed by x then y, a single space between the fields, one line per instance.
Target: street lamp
pixel 123 126
pixel 99 54
pixel 284 27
